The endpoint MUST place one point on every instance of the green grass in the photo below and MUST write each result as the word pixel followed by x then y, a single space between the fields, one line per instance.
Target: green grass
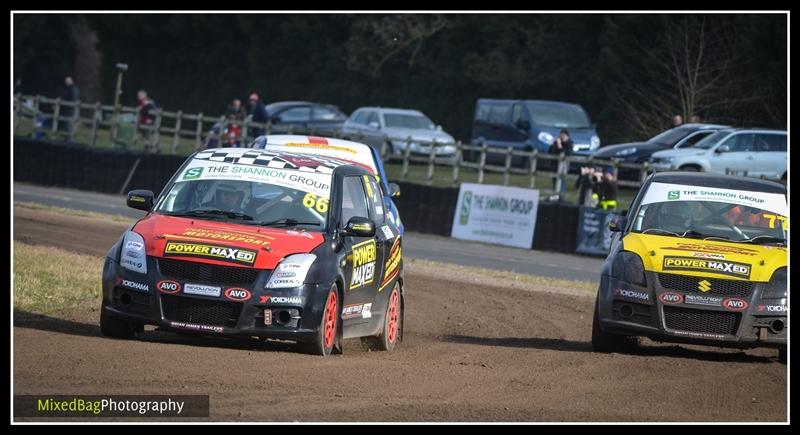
pixel 44 284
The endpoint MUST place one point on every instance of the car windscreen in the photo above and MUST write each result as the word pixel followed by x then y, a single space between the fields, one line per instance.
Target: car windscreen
pixel 712 140
pixel 404 120
pixel 671 136
pixel 712 213
pixel 558 116
pixel 249 195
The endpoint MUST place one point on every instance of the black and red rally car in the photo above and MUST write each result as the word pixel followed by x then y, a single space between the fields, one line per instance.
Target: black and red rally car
pixel 245 242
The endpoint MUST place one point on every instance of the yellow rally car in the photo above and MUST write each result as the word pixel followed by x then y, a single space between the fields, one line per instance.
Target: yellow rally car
pixel 700 259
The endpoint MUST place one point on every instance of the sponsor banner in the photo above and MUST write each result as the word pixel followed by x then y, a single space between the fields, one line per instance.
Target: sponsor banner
pixel 711 301
pixel 363 311
pixel 500 215
pixel 202 250
pixel 631 294
pixel 203 290
pixel 730 268
pixel 364 255
pixel 594 237
pixel 312 182
pixel 392 267
pixel 664 192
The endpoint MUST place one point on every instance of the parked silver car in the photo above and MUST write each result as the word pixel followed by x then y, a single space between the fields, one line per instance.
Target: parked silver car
pixel 743 151
pixel 399 129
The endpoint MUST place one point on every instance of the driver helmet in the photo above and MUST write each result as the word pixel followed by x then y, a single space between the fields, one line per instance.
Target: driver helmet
pixel 231 196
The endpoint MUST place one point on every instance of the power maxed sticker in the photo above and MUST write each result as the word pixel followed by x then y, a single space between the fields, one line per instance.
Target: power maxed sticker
pixel 364 256
pixel 201 250
pixel 730 268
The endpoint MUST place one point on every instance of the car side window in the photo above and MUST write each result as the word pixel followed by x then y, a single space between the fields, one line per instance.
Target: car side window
pixel 296 114
pixel 324 114
pixel 499 114
pixel 375 199
pixel 361 117
pixel 741 142
pixel 693 139
pixel 771 143
pixel 516 114
pixel 354 199
pixel 483 112
pixel 373 117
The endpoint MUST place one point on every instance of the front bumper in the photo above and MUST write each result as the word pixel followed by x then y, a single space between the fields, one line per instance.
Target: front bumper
pixel 742 319
pixel 287 314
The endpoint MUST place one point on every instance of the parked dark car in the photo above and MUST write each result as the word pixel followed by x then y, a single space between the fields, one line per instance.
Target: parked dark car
pixel 303 117
pixel 684 136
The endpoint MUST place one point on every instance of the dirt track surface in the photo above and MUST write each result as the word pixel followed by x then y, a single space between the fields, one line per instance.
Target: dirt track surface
pixel 472 352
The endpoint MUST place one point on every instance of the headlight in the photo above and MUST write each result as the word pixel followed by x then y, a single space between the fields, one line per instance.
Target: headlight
pixel 625 152
pixel 777 287
pixel 594 141
pixel 545 137
pixel 662 159
pixel 628 267
pixel 133 255
pixel 291 271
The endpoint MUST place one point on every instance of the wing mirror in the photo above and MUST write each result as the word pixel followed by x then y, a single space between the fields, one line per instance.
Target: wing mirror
pixel 618 224
pixel 140 199
pixel 359 227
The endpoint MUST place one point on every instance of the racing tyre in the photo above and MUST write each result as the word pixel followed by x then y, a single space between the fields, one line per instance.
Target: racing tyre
pixel 783 355
pixel 328 337
pixel 392 331
pixel 603 341
pixel 111 326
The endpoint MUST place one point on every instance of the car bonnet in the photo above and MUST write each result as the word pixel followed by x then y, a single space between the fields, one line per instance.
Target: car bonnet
pixel 223 244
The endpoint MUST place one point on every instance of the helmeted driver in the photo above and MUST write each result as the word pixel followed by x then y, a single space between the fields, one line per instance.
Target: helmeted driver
pixel 230 197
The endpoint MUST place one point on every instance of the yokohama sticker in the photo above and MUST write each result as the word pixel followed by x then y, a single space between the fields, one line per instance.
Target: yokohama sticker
pixel 670 298
pixel 734 304
pixel 772 309
pixel 643 296
pixel 237 294
pixel 168 287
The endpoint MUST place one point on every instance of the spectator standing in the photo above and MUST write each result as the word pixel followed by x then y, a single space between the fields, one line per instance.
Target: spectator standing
pixel 147 117
pixel 608 190
pixel 694 119
pixel 236 109
pixel 561 145
pixel 677 121
pixel 70 94
pixel 258 113
pixel 588 184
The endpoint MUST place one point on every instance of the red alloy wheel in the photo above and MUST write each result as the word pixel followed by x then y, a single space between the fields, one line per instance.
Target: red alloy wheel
pixel 330 320
pixel 394 315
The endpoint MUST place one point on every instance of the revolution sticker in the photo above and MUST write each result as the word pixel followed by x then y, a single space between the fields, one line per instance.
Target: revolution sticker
pixel 730 268
pixel 221 253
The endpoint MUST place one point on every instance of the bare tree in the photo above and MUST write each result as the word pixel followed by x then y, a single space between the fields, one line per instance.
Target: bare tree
pixel 689 72
pixel 374 41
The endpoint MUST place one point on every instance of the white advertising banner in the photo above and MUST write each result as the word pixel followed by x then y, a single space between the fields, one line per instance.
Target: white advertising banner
pixel 664 192
pixel 496 214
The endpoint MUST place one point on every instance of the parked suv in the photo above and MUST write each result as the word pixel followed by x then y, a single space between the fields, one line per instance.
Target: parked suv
pixel 684 136
pixel 376 125
pixel 749 152
pixel 531 124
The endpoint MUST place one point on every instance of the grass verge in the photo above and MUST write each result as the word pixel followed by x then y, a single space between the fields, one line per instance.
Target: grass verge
pixel 49 280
